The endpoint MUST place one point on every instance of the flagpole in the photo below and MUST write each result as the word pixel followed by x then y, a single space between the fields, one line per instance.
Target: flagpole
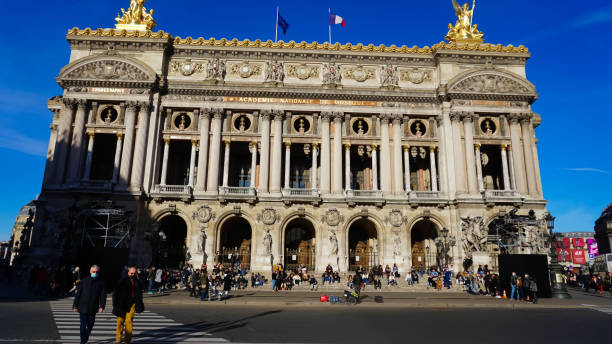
pixel 276 28
pixel 329 22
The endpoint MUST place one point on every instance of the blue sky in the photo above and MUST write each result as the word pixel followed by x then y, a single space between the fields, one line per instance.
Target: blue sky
pixel 569 41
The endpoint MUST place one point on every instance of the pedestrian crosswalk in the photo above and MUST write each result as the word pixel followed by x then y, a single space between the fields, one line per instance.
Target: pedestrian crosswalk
pixel 605 310
pixel 149 327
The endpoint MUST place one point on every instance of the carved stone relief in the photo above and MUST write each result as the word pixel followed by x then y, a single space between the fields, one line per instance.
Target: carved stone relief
pixel 274 72
pixel 389 77
pixel 245 69
pixel 359 73
pixel 490 83
pixel 415 75
pixel 204 214
pixel 331 74
pixel 395 218
pixel 332 217
pixel 474 234
pixel 268 216
pixel 109 70
pixel 215 70
pixel 302 71
pixel 186 68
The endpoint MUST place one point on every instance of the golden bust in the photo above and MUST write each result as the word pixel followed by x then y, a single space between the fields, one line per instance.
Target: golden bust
pixel 136 17
pixel 464 31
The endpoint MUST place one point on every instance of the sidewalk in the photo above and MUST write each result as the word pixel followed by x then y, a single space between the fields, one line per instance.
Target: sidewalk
pixel 425 299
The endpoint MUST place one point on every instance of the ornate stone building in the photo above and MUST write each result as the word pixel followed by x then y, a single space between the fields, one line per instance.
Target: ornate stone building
pixel 603 230
pixel 301 153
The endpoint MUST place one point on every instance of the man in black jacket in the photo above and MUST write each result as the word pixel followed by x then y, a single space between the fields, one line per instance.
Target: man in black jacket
pixel 127 300
pixel 89 300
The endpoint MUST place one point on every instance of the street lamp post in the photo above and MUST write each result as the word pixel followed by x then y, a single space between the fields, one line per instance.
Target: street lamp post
pixel 426 257
pixel 443 244
pixel 559 288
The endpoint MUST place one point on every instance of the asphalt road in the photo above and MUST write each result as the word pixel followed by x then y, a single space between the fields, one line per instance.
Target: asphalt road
pixel 36 322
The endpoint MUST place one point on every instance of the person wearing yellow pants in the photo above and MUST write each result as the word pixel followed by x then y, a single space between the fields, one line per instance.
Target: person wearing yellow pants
pixel 127 300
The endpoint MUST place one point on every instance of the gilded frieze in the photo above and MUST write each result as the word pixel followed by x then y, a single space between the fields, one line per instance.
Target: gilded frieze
pixel 302 71
pixel 415 75
pixel 186 68
pixel 359 73
pixel 245 69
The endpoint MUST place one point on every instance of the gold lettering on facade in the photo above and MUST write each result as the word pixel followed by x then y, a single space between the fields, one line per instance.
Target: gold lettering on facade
pixel 301 101
pixel 489 103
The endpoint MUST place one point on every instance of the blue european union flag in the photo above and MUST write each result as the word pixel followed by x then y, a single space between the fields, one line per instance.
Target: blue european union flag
pixel 283 24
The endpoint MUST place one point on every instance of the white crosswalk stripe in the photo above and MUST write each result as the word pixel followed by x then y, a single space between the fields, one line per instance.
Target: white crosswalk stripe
pixel 149 327
pixel 605 310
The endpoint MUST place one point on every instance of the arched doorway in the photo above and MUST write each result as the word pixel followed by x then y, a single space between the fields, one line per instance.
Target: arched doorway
pixel 424 252
pixel 299 244
pixel 235 243
pixel 172 235
pixel 362 244
pixel 493 243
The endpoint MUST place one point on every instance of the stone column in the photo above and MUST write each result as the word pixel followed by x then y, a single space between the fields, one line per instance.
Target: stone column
pixel 192 158
pixel 468 126
pixel 226 162
pixel 432 168
pixel 287 164
pixel 337 189
pixel 504 158
pixel 128 144
pixel 89 158
pixel 63 138
pixel 511 168
pixel 164 172
pixel 442 162
pixel 385 155
pixel 528 151
pixel 407 167
pixel 203 155
pixel 141 149
pixel 275 183
pixel 397 154
pixel 313 170
pixel 76 145
pixel 478 167
pixel 347 166
pixel 517 154
pixel 264 160
pixel 117 162
pixel 374 167
pixel 325 154
pixel 253 148
pixel 212 184
pixel 536 161
pixel 455 117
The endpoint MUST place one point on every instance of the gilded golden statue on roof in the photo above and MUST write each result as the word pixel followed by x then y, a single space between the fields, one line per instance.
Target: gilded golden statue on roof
pixel 136 17
pixel 464 31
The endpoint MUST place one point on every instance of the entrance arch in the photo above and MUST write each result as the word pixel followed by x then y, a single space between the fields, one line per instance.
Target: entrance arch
pixel 299 244
pixel 235 243
pixel 172 241
pixel 362 244
pixel 424 252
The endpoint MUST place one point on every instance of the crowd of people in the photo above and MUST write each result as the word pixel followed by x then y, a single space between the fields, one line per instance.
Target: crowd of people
pixel 591 281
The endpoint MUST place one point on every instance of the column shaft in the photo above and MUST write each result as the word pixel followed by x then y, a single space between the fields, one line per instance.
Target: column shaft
pixel 287 165
pixel 434 173
pixel 63 140
pixel 117 161
pixel 374 167
pixel 226 162
pixel 337 189
pixel 76 145
pixel 397 155
pixel 89 158
pixel 468 126
pixel 347 167
pixel 517 154
pixel 128 144
pixel 212 185
pixel 407 168
pixel 164 172
pixel 192 158
pixel 264 166
pixel 528 151
pixel 511 168
pixel 478 167
pixel 313 170
pixel 275 183
pixel 385 156
pixel 203 155
pixel 504 158
pixel 141 147
pixel 253 147
pixel 458 154
pixel 325 154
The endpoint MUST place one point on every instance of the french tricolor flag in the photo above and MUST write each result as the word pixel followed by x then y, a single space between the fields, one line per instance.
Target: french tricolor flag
pixel 336 19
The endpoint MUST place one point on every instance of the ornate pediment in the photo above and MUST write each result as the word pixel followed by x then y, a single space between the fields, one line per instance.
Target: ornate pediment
pixel 108 67
pixel 491 83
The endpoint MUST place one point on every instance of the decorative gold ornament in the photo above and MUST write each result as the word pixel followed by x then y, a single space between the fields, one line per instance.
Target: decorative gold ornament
pixel 359 73
pixel 136 17
pixel 464 31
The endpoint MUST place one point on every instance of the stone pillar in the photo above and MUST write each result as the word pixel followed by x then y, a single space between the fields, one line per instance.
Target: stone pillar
pixel 141 149
pixel 478 167
pixel 212 184
pixel 313 170
pixel 536 162
pixel 374 167
pixel 287 164
pixel 192 158
pixel 532 184
pixel 264 165
pixel 275 182
pixel 226 162
pixel 63 138
pixel 347 166
pixel 76 145
pixel 407 167
pixel 442 162
pixel 504 158
pixel 325 154
pixel 432 168
pixel 385 156
pixel 89 158
pixel 203 155
pixel 128 144
pixel 117 161
pixel 164 172
pixel 511 168
pixel 517 154
pixel 337 189
pixel 253 148
pixel 468 126
pixel 455 117
pixel 397 154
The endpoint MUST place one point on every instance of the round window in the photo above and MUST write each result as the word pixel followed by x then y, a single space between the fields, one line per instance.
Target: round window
pixel 360 126
pixel 301 125
pixel 182 121
pixel 418 128
pixel 242 123
pixel 487 126
pixel 109 115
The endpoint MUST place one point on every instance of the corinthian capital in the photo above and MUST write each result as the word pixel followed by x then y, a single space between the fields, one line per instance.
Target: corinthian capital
pixel 278 115
pixel 455 116
pixel 384 118
pixel 326 116
pixel 265 114
pixel 396 118
pixel 205 113
pixel 467 117
pixel 525 118
pixel 514 117
pixel 338 116
pixel 144 107
pixel 217 113
pixel 131 106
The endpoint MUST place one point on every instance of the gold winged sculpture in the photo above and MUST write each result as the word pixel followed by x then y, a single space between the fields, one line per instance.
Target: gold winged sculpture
pixel 464 31
pixel 136 17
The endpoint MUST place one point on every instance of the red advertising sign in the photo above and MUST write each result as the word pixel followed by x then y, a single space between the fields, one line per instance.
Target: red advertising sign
pixel 579 257
pixel 578 242
pixel 566 243
pixel 563 255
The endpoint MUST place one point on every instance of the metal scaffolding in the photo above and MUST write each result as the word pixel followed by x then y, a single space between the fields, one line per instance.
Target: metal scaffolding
pixel 106 227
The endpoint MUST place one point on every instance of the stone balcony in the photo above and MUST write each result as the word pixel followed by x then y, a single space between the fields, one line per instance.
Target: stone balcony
pixel 364 196
pixel 502 196
pixel 93 185
pixel 427 197
pixel 301 195
pixel 171 191
pixel 237 193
